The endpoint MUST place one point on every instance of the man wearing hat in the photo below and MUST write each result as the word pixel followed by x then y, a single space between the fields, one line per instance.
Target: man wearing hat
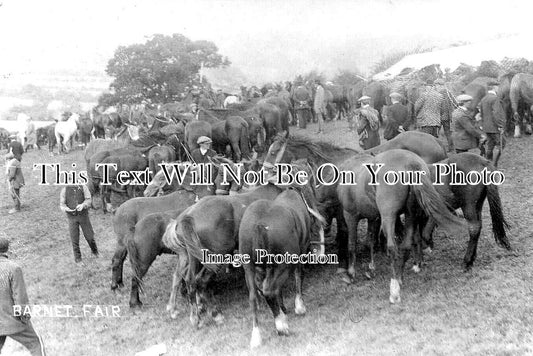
pixel 75 201
pixel 397 117
pixel 465 135
pixel 446 110
pixel 13 293
pixel 319 105
pixel 428 110
pixel 367 119
pixel 493 122
pixel 15 180
pixel 204 152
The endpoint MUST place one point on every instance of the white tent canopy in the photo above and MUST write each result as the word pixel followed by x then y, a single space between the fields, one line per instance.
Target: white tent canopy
pixel 473 54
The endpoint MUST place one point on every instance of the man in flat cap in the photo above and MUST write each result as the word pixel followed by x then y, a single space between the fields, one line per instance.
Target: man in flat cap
pixel 367 119
pixel 13 297
pixel 397 117
pixel 493 122
pixel 465 134
pixel 203 155
pixel 15 180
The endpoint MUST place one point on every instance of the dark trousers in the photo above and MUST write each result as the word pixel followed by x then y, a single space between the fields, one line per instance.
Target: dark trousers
pixel 16 198
pixel 495 146
pixel 448 134
pixel 74 224
pixel 27 337
pixel 432 130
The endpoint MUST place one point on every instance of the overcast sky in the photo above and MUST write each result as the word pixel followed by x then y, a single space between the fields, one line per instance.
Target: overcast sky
pixel 267 40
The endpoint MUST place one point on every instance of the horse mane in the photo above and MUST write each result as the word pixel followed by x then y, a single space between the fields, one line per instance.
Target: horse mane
pixel 317 148
pixel 149 139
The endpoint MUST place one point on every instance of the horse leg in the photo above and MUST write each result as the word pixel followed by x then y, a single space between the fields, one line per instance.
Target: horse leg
pixel 179 273
pixel 351 223
pixel 387 224
pixel 194 316
pixel 206 296
pixel 117 263
pixel 473 217
pixel 299 307
pixel 249 273
pixel 373 234
pixel 135 301
pixel 420 235
pixel 342 244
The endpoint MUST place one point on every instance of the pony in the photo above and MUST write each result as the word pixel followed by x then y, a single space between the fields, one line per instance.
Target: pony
pixel 131 212
pixel 65 131
pixel 279 226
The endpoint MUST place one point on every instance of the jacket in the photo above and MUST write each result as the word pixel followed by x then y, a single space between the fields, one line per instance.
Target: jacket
pixel 73 195
pixel 12 292
pixel 429 108
pixel 464 134
pixel 397 115
pixel 492 114
pixel 368 127
pixel 319 104
pixel 14 173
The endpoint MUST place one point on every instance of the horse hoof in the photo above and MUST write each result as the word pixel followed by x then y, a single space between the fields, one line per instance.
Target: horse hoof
pixel 416 269
pixel 394 291
pixel 299 307
pixel 395 299
pixel 195 321
pixel 255 341
pixel 218 319
pixel 428 250
pixel 369 274
pixel 281 324
pixel 174 315
pixel 346 278
pixel 136 305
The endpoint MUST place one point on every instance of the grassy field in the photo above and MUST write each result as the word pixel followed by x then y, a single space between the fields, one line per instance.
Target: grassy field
pixel 444 311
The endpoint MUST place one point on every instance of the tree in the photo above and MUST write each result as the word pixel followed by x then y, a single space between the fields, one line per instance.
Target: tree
pixel 160 70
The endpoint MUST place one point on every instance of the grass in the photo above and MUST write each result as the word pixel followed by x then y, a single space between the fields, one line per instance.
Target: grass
pixel 444 311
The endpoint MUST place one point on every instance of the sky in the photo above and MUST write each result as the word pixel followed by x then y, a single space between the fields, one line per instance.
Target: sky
pixel 266 40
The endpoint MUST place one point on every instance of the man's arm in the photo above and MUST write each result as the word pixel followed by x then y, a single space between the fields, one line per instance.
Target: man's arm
pixel 469 127
pixel 498 113
pixel 62 201
pixel 12 170
pixel 18 290
pixel 87 195
pixel 418 104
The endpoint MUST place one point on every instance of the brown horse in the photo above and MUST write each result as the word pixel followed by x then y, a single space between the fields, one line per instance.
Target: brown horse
pixel 375 197
pixel 470 199
pixel 145 246
pixel 127 216
pixel 213 224
pixel 279 226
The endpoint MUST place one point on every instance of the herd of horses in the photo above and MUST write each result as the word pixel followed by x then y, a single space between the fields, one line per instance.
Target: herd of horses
pixel 227 218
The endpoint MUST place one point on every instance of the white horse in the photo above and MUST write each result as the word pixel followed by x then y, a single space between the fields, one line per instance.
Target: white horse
pixel 65 132
pixel 232 99
pixel 22 125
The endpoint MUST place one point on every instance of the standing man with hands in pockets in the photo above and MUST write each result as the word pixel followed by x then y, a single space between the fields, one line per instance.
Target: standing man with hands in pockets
pixel 75 200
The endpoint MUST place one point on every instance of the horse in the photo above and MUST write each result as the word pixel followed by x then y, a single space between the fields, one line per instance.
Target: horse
pixel 470 199
pixel 86 128
pixel 158 155
pixel 280 226
pixel 145 246
pixel 193 131
pixel 374 197
pixel 428 147
pixel 131 212
pixel 231 99
pixel 212 223
pixel 65 131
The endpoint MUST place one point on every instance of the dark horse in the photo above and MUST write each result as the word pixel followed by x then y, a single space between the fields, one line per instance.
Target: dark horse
pixel 382 202
pixel 127 216
pixel 279 226
pixel 213 224
pixel 145 246
pixel 470 199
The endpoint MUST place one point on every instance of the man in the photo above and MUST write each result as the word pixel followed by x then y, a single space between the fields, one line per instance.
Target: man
pixel 428 110
pixel 319 105
pixel 203 155
pixel 13 293
pixel 446 109
pixel 15 147
pixel 75 201
pixel 493 122
pixel 465 135
pixel 367 124
pixel 31 135
pixel 15 180
pixel 397 117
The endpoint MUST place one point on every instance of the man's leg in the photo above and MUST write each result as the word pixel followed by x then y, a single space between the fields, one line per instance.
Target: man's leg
pixel 448 134
pixel 88 232
pixel 74 230
pixel 31 340
pixel 491 143
pixel 320 117
pixel 498 148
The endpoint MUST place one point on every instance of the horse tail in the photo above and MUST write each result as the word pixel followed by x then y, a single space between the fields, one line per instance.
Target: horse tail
pixel 135 261
pixel 260 238
pixel 245 142
pixel 499 224
pixel 156 158
pixel 192 241
pixel 433 204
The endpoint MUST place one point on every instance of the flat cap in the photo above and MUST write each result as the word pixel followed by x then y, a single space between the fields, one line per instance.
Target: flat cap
pixel 493 83
pixel 13 136
pixel 203 139
pixel 463 97
pixel 364 97
pixel 4 245
pixel 396 95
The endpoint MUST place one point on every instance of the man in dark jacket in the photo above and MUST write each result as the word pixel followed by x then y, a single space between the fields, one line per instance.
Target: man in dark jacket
pixel 13 300
pixel 397 117
pixel 429 110
pixel 203 155
pixel 493 122
pixel 465 135
pixel 15 147
pixel 75 201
